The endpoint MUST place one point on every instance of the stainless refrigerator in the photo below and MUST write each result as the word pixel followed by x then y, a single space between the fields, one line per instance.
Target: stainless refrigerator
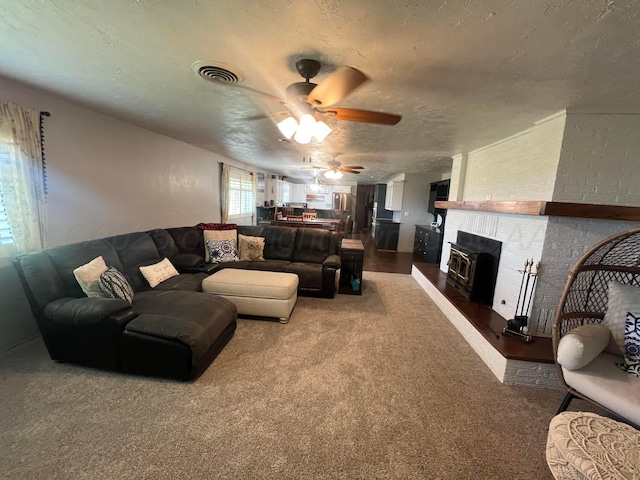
pixel 343 201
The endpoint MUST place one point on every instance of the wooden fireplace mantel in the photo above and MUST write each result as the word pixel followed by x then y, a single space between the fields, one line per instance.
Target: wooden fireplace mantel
pixel 552 209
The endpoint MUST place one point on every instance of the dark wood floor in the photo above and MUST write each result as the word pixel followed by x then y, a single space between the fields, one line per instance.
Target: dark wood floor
pixel 488 322
pixel 383 260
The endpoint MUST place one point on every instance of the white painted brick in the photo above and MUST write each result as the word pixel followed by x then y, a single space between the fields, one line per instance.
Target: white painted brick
pixel 511 372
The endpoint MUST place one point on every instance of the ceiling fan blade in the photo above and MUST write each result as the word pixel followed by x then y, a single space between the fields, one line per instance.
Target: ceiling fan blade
pixel 337 86
pixel 353 167
pixel 347 170
pixel 364 116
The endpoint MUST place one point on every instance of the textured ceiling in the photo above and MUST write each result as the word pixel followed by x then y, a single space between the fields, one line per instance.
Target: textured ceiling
pixel 461 73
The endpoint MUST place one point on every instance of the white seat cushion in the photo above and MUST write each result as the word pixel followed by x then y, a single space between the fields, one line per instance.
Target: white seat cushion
pixel 606 383
pixel 251 283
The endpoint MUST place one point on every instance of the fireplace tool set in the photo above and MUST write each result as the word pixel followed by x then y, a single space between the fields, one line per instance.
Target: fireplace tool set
pixel 516 326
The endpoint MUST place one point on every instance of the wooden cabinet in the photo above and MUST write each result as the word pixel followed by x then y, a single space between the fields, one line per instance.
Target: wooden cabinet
pixel 297 193
pixel 439 191
pixel 428 243
pixel 393 200
pixel 385 234
pixel 379 199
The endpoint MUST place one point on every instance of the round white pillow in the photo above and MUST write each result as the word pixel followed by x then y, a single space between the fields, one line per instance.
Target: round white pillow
pixel 582 344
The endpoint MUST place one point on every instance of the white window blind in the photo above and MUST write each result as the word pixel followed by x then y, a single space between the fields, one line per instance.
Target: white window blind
pixel 5 230
pixel 241 196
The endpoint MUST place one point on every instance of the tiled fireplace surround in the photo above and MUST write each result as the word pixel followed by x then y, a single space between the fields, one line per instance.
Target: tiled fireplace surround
pixel 564 158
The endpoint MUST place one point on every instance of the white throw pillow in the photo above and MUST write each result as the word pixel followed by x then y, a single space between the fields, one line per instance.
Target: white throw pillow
pixel 622 299
pixel 158 272
pixel 582 344
pixel 88 277
pixel 219 235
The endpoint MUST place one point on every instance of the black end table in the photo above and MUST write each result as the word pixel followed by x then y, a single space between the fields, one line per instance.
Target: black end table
pixel 352 256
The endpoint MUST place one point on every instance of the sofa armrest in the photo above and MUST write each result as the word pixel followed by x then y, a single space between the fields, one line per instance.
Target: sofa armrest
pixel 89 311
pixel 332 261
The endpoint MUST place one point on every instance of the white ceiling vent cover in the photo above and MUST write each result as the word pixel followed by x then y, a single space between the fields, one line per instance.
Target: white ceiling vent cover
pixel 217 71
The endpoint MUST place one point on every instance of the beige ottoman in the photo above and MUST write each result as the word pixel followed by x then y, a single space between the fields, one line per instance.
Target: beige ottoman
pixel 254 292
pixel 582 445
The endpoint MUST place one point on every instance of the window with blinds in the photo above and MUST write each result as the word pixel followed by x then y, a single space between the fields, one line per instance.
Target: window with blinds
pixel 241 196
pixel 5 231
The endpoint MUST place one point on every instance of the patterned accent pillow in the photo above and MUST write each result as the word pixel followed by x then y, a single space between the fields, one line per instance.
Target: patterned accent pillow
pixel 632 345
pixel 251 248
pixel 115 285
pixel 218 235
pixel 222 251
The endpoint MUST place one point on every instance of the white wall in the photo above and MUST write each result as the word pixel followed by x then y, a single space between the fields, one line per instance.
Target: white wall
pixel 600 160
pixel 521 167
pixel 107 177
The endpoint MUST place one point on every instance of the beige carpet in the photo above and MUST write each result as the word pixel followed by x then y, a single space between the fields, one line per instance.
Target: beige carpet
pixel 377 386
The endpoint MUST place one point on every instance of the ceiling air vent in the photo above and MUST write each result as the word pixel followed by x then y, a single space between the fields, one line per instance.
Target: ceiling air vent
pixel 217 72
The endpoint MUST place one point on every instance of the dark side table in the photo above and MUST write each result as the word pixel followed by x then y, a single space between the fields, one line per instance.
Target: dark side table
pixel 352 255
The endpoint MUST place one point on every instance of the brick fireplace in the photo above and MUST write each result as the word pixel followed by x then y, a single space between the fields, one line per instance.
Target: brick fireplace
pixel 548 194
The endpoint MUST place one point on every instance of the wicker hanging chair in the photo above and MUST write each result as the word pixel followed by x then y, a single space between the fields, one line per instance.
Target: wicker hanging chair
pixel 584 299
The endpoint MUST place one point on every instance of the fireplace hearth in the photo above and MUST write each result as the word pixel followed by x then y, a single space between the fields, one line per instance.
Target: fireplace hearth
pixel 473 266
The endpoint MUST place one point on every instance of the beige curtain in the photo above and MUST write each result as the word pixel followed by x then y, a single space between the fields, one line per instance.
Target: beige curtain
pixel 224 192
pixel 22 176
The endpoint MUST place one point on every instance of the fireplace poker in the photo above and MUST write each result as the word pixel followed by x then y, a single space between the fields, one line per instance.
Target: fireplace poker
pixel 527 273
pixel 533 286
pixel 516 325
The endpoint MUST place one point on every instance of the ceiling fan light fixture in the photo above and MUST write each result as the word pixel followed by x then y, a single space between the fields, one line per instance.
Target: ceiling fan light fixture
pixel 333 174
pixel 288 127
pixel 321 130
pixel 306 129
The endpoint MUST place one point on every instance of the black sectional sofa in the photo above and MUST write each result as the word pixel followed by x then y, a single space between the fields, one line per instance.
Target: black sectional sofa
pixel 173 330
pixel 310 253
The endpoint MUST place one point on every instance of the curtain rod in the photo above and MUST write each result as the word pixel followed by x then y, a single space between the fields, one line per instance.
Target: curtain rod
pixel 45 114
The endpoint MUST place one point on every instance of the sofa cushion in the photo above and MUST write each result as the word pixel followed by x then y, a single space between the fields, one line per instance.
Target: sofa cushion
pixel 67 258
pixel 309 274
pixel 195 319
pixel 185 281
pixel 251 230
pixel 312 245
pixel 604 382
pixel 268 265
pixel 279 242
pixel 38 272
pixel 133 249
pixel 188 239
pixel 165 243
pixel 187 261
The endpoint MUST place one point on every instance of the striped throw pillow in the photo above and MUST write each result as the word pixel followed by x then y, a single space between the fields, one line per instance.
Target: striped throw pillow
pixel 115 285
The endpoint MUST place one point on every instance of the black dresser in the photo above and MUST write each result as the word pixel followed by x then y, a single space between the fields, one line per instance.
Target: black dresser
pixel 428 243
